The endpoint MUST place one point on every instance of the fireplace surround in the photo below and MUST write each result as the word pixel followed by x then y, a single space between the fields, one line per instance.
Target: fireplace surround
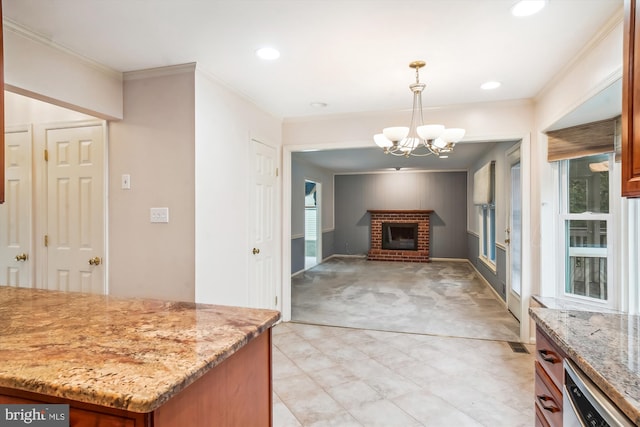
pixel 400 252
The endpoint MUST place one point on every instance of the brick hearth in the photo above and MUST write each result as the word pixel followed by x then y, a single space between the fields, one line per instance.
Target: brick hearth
pixel 376 253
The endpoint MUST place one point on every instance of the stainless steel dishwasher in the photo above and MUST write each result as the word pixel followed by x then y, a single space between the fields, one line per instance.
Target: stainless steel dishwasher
pixel 584 405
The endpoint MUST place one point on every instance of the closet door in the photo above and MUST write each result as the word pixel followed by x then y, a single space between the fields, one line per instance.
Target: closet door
pixel 16 260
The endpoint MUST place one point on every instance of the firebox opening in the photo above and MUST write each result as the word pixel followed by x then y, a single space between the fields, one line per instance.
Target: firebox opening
pixel 400 236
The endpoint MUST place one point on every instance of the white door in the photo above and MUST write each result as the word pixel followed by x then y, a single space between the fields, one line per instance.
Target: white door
pixel 263 267
pixel 15 214
pixel 75 209
pixel 514 236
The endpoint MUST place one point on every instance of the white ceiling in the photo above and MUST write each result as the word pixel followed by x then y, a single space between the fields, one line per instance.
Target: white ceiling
pixel 350 54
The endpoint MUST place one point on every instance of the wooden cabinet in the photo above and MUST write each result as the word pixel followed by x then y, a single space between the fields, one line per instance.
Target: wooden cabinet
pixel 631 102
pixel 236 393
pixel 549 378
pixel 2 166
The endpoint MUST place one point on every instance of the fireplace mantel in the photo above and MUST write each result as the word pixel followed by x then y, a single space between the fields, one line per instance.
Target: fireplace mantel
pixel 380 216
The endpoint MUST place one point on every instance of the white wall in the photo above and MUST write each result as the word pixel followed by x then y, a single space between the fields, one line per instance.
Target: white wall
pixel 484 122
pixel 22 110
pixel 35 67
pixel 225 124
pixel 599 66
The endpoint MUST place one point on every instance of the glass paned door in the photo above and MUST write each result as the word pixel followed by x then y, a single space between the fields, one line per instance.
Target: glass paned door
pixel 514 237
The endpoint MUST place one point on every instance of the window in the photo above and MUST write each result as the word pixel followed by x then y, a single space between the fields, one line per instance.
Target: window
pixel 586 219
pixel 483 197
pixel 489 232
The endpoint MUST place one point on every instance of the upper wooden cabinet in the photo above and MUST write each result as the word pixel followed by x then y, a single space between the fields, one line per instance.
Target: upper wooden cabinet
pixel 631 103
pixel 2 165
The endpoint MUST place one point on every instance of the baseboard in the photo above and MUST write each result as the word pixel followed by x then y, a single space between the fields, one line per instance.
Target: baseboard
pixel 486 282
pixel 297 273
pixel 450 259
pixel 345 256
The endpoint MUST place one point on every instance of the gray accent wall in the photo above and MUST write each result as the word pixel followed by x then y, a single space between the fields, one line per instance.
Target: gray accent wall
pixel 443 192
pixel 300 171
pixel 297 254
pixel 498 279
pixel 297 250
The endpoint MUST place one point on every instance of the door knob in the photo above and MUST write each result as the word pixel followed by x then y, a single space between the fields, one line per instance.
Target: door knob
pixel 255 251
pixel 95 261
pixel 22 257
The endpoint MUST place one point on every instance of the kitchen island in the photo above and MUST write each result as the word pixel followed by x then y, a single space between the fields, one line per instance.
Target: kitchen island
pixel 605 346
pixel 136 362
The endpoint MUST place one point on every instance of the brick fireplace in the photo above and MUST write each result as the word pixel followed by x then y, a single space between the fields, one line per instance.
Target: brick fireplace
pixel 403 219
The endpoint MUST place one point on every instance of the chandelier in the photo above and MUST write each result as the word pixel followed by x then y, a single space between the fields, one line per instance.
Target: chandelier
pixel 418 139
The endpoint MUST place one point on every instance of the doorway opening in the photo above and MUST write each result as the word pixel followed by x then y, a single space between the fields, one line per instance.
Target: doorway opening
pixel 54 214
pixel 312 224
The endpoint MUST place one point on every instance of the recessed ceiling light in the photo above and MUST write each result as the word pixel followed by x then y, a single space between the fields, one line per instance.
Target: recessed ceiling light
pixel 318 104
pixel 490 85
pixel 268 53
pixel 527 7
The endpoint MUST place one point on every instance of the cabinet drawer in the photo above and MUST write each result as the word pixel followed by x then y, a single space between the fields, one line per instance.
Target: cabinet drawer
pixel 541 421
pixel 548 398
pixel 550 358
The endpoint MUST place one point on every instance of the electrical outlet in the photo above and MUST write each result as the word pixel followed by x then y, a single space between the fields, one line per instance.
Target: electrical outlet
pixel 159 215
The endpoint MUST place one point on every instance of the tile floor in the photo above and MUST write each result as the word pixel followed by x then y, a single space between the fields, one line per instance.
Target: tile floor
pixel 333 376
pixel 376 368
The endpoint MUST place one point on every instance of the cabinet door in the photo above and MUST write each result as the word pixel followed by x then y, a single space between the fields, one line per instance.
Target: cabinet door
pixel 631 103
pixel 1 112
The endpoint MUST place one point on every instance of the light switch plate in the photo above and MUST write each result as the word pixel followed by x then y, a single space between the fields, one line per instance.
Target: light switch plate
pixel 160 215
pixel 126 181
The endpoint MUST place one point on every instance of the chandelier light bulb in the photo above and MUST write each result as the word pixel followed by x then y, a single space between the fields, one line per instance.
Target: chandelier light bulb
pixel 430 131
pixel 397 133
pixel 382 141
pixel 453 134
pixel 439 143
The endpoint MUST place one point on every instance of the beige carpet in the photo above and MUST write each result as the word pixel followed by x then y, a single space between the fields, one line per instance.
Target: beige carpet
pixel 438 298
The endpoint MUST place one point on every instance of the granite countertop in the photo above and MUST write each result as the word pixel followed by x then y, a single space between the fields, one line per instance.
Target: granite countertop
pixel 131 354
pixel 606 346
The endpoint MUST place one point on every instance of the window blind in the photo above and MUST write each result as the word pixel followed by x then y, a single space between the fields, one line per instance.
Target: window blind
pixel 483 183
pixel 582 140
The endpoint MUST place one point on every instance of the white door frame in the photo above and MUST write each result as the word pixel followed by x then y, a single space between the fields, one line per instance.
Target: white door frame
pixel 525 165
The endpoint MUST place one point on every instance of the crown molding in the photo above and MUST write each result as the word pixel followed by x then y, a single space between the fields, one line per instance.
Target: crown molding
pixel 169 70
pixel 14 27
pixel 608 27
